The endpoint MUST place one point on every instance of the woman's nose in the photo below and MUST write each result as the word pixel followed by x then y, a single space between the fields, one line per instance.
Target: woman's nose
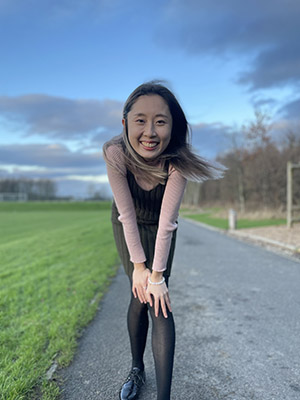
pixel 150 130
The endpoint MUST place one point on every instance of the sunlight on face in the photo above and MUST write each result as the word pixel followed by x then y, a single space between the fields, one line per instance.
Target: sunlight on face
pixel 149 126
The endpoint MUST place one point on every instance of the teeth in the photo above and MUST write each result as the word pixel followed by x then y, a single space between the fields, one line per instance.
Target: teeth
pixel 149 144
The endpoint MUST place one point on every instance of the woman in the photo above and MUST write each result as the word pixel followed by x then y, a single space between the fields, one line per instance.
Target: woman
pixel 148 166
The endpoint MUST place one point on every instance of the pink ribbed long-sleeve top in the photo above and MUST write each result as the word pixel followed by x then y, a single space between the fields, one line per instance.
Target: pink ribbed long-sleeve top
pixel 172 198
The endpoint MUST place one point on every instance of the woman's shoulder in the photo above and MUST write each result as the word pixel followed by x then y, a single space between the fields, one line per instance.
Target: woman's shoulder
pixel 113 149
pixel 172 169
pixel 175 176
pixel 113 154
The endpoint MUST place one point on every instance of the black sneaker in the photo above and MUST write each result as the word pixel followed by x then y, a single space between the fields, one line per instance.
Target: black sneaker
pixel 132 386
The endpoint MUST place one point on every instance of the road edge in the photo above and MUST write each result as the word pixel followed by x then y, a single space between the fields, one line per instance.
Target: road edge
pixel 270 244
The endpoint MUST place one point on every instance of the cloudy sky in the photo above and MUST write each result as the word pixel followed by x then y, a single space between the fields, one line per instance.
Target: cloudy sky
pixel 67 66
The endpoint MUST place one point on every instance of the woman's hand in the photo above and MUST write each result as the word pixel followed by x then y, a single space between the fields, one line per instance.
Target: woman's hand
pixel 140 277
pixel 160 294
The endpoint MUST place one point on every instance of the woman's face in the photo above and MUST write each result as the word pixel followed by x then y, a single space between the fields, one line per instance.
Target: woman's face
pixel 149 126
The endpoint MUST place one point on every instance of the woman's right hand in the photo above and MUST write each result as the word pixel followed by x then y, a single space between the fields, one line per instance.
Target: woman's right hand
pixel 158 294
pixel 140 277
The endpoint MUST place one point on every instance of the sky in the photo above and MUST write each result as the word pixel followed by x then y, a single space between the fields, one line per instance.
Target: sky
pixel 67 67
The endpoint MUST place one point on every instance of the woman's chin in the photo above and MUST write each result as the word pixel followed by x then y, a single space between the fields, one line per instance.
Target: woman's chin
pixel 150 158
pixel 149 154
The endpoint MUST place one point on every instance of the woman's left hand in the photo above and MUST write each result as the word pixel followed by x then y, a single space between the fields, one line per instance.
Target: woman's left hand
pixel 161 298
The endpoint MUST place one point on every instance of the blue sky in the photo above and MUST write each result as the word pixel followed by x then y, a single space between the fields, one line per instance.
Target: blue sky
pixel 68 66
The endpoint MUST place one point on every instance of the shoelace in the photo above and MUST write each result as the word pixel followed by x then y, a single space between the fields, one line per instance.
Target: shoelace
pixel 136 376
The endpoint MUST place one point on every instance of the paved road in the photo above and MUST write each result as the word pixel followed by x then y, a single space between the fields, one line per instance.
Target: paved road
pixel 237 314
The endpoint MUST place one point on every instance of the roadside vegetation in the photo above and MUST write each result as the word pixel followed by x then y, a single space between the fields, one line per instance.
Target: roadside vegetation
pixel 218 218
pixel 57 260
pixel 256 175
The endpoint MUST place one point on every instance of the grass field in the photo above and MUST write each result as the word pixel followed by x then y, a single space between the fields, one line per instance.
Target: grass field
pixel 56 260
pixel 209 217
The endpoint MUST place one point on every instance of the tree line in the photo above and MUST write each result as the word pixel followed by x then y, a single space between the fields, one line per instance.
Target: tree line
pixel 35 189
pixel 256 174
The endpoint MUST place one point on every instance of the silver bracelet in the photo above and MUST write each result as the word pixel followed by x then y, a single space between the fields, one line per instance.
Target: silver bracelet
pixel 157 283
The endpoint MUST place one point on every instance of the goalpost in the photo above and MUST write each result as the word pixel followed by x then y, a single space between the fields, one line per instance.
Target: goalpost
pixel 290 205
pixel 19 196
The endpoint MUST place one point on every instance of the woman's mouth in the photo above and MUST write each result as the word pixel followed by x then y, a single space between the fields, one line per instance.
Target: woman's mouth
pixel 149 145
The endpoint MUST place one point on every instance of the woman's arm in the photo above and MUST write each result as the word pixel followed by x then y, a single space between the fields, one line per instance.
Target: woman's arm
pixel 167 224
pixel 117 177
pixel 168 219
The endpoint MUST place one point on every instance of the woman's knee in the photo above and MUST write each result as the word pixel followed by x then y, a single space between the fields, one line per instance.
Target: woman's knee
pixel 138 307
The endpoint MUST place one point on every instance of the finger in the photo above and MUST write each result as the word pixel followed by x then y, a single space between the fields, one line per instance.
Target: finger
pixel 134 291
pixel 143 291
pixel 163 307
pixel 156 306
pixel 168 302
pixel 145 295
pixel 149 299
pixel 141 295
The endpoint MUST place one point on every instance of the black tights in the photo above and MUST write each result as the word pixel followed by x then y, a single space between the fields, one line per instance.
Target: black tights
pixel 163 342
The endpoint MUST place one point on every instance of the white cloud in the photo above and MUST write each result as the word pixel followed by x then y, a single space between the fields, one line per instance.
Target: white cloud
pixel 12 168
pixel 85 178
pixel 59 117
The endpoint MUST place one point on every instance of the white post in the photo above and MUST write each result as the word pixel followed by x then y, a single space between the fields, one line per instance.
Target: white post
pixel 232 219
pixel 289 192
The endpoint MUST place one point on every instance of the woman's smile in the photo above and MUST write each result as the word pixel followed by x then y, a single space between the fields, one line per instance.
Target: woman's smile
pixel 149 145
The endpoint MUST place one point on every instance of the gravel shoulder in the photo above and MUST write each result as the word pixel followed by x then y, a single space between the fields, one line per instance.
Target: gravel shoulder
pixel 281 234
pixel 280 239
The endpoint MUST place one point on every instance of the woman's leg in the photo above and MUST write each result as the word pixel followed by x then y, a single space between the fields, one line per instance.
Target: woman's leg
pixel 163 347
pixel 137 322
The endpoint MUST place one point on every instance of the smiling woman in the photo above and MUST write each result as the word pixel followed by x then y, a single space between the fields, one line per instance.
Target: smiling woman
pixel 148 166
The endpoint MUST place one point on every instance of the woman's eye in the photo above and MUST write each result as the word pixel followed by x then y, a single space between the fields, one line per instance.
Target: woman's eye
pixel 140 121
pixel 161 122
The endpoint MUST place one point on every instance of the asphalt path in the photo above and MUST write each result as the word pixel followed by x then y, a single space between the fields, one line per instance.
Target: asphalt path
pixel 237 314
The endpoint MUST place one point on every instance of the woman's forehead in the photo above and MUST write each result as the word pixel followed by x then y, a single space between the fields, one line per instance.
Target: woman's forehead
pixel 150 104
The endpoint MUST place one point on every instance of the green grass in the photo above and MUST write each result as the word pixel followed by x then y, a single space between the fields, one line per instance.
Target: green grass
pixel 55 206
pixel 55 264
pixel 206 218
pixel 222 223
pixel 249 223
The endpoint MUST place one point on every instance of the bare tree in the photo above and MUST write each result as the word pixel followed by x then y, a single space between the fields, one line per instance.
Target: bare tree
pixel 256 175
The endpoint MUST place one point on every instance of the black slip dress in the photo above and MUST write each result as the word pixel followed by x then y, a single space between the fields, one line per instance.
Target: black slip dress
pixel 147 206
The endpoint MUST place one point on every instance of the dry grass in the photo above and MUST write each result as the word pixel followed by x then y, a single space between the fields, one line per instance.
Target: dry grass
pixel 253 214
pixel 282 234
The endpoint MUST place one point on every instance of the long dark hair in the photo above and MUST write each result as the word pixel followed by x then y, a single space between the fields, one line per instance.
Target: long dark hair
pixel 178 152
